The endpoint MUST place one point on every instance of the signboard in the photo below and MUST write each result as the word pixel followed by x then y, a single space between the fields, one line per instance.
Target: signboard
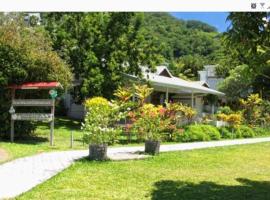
pixel 53 94
pixel 48 117
pixel 32 102
pixel 32 116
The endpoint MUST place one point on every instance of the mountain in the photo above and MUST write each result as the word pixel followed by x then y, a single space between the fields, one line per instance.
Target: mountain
pixel 180 37
pixel 186 45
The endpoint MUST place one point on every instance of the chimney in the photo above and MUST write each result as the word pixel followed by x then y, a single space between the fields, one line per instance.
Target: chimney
pixel 203 75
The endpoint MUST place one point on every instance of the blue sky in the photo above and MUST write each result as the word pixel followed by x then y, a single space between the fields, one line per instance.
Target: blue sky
pixel 216 19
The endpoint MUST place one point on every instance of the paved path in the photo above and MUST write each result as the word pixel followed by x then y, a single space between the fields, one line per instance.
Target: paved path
pixel 22 174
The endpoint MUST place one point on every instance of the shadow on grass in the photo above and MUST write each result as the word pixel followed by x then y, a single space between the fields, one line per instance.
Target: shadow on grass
pixel 178 190
pixel 67 124
pixel 35 140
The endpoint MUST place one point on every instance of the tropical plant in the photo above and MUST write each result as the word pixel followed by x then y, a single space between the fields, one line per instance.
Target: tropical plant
pixel 224 110
pixel 234 119
pixel 142 92
pixel 251 108
pixel 99 123
pixel 222 117
pixel 124 93
pixel 265 113
pixel 181 111
pixel 150 123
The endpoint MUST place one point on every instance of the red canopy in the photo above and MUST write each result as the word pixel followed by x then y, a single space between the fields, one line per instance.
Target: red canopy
pixel 36 85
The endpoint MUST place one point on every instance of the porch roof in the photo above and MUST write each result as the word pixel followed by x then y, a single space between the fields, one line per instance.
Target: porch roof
pixel 178 84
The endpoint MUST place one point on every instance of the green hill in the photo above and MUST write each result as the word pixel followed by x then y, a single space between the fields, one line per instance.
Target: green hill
pixel 192 43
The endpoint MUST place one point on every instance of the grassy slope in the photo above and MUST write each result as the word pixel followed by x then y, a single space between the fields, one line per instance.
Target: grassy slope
pixel 229 173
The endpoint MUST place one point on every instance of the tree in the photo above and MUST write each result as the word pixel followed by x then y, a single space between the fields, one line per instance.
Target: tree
pixel 25 55
pixel 238 83
pixel 100 47
pixel 248 43
pixel 182 38
pixel 194 24
pixel 187 67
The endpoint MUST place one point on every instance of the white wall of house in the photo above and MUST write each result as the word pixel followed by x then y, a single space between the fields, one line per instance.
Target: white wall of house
pixel 199 105
pixel 74 111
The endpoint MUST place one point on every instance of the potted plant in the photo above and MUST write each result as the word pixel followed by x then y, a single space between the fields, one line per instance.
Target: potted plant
pixel 151 124
pixel 98 127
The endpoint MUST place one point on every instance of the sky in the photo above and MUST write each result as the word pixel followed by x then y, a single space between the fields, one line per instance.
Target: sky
pixel 216 19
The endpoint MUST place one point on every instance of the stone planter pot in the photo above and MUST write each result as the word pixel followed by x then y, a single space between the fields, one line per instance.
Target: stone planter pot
pixel 98 152
pixel 152 147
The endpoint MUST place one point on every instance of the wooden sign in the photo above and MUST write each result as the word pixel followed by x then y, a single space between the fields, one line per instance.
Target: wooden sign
pixel 32 116
pixel 32 102
pixel 48 117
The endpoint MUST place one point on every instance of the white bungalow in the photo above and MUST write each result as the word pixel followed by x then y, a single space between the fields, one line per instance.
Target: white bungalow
pixel 166 88
pixel 170 88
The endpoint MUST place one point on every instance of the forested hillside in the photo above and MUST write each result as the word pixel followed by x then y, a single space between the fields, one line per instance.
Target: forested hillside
pixel 186 45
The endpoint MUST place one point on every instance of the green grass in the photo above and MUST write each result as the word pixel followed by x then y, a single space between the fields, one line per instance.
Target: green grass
pixel 40 141
pixel 63 126
pixel 226 173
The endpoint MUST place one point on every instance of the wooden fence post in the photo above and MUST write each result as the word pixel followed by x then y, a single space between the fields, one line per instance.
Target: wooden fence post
pixel 52 124
pixel 71 139
pixel 12 131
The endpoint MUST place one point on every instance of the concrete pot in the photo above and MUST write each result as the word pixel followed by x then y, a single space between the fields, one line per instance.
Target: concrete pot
pixel 152 147
pixel 98 152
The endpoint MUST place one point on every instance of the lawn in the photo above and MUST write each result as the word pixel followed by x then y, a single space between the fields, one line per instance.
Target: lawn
pixel 39 142
pixel 227 173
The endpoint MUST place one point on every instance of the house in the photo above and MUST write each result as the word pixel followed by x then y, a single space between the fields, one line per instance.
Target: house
pixel 209 76
pixel 167 88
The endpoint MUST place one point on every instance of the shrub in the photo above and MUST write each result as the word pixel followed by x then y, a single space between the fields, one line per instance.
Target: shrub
pixel 174 109
pixel 177 135
pixel 200 133
pixel 211 131
pixel 224 110
pixel 222 117
pixel 26 55
pixel 260 131
pixel 264 119
pixel 252 108
pixel 244 132
pixel 194 134
pixel 234 119
pixel 149 122
pixel 99 122
pixel 226 133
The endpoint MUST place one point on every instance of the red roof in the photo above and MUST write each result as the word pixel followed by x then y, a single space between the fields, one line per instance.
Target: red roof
pixel 36 85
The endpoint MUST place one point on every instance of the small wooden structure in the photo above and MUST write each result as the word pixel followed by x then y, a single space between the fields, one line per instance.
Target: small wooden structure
pixel 33 103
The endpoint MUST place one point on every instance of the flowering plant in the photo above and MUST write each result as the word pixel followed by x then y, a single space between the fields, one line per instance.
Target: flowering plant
pixel 99 122
pixel 149 122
